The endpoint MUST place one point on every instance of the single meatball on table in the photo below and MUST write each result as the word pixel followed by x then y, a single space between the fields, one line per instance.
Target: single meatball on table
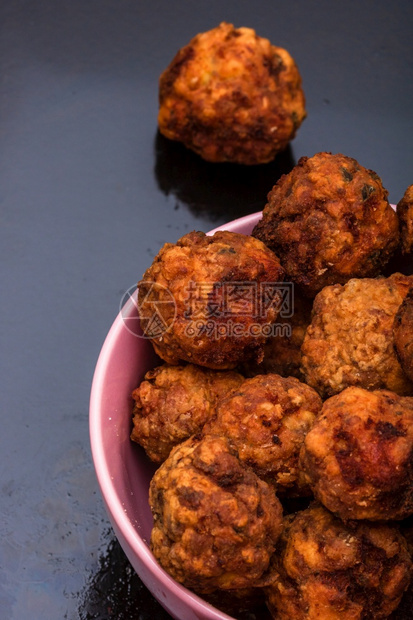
pixel 231 96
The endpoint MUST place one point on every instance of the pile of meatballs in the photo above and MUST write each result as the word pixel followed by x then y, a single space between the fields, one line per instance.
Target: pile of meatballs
pixel 280 415
pixel 285 458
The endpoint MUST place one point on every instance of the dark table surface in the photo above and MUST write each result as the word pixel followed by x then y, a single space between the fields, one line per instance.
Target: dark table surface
pixel 88 194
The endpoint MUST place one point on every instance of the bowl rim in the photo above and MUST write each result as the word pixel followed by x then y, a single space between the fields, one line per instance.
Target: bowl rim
pixel 117 515
pixel 245 220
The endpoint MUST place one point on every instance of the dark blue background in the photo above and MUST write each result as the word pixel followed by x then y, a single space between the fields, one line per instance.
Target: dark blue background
pixel 88 194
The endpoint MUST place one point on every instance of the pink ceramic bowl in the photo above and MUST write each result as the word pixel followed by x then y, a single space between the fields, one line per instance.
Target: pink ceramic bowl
pixel 123 470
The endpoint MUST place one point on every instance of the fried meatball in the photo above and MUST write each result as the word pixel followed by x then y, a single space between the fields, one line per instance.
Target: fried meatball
pixel 174 402
pixel 225 296
pixel 330 570
pixel 405 214
pixel 282 352
pixel 215 522
pixel 329 220
pixel 231 96
pixel 267 418
pixel 403 334
pixel 350 338
pixel 358 456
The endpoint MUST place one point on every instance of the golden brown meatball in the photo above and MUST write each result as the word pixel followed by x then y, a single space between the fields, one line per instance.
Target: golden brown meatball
pixel 267 419
pixel 329 570
pixel 282 352
pixel 230 95
pixel 329 220
pixel 350 339
pixel 405 213
pixel 225 296
pixel 215 522
pixel 358 456
pixel 403 334
pixel 174 402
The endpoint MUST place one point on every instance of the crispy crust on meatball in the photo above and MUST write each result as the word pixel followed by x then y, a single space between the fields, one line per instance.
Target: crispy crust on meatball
pixel 282 352
pixel 350 339
pixel 174 402
pixel 403 334
pixel 267 418
pixel 358 456
pixel 405 214
pixel 215 522
pixel 330 570
pixel 329 220
pixel 230 95
pixel 217 283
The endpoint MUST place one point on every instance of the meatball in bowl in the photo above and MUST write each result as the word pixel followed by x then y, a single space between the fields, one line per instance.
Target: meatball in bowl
pixel 224 293
pixel 329 220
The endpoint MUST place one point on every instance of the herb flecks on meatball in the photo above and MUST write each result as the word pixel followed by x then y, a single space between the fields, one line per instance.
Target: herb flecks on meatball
pixel 215 522
pixel 358 455
pixel 330 570
pixel 225 294
pixel 329 220
pixel 231 96
pixel 174 402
